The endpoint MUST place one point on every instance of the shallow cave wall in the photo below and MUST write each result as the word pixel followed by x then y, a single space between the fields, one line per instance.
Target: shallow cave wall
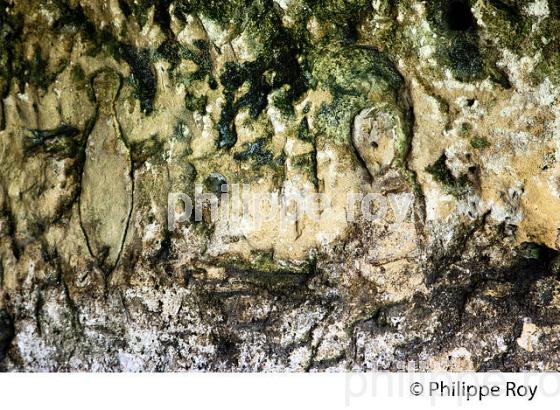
pixel 445 112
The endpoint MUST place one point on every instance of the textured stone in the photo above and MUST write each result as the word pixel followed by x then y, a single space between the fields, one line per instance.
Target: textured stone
pixel 445 111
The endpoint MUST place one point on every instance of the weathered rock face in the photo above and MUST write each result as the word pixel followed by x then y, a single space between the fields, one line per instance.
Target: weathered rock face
pixel 441 119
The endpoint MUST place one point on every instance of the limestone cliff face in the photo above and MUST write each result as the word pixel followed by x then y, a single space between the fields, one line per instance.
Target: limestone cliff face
pixel 444 115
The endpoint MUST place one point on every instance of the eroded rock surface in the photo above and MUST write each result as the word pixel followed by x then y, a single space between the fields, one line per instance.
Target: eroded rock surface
pixel 444 115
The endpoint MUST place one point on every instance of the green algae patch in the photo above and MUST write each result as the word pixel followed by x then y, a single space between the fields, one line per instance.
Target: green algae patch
pixel 479 143
pixel 458 39
pixel 247 85
pixel 442 174
pixel 308 163
pixel 303 132
pixel 506 23
pixel 549 65
pixel 356 78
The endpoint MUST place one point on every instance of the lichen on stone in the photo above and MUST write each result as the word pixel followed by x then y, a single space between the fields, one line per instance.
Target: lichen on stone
pixel 442 116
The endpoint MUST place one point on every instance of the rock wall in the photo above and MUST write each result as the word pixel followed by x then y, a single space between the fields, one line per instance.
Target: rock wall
pixel 443 114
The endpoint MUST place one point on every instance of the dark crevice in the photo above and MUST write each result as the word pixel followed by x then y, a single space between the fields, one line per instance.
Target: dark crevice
pixel 143 74
pixel 7 333
pixel 162 16
pixel 11 225
pixel 125 8
pixel 459 16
